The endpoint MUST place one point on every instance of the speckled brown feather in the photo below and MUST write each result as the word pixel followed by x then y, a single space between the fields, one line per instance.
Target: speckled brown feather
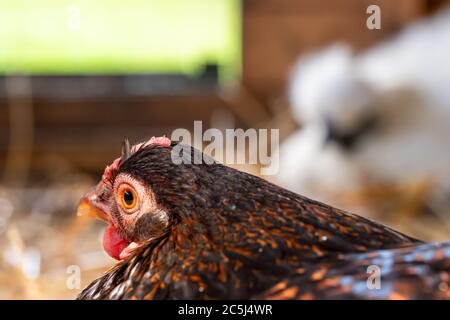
pixel 233 235
pixel 415 272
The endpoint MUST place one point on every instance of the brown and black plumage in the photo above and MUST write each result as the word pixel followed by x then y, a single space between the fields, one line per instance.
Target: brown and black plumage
pixel 207 231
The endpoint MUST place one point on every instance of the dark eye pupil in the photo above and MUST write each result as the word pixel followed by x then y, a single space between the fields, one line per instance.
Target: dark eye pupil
pixel 128 198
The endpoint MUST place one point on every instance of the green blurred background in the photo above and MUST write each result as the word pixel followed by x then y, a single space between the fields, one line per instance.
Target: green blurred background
pixel 114 36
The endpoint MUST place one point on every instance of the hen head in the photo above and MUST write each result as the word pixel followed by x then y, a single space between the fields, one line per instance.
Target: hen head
pixel 126 200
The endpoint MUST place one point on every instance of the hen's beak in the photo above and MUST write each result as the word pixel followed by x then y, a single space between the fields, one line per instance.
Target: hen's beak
pixel 87 206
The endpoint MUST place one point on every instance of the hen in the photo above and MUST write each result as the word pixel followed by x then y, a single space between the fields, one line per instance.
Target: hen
pixel 364 117
pixel 207 231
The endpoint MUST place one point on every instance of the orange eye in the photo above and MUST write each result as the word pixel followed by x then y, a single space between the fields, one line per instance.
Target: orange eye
pixel 128 198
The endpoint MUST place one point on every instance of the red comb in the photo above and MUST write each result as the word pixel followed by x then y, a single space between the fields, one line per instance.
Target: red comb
pixel 111 170
pixel 162 141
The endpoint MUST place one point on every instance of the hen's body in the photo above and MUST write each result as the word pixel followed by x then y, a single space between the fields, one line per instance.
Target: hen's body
pixel 233 235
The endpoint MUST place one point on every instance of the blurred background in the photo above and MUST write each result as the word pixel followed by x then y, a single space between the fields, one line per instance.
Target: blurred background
pixel 364 114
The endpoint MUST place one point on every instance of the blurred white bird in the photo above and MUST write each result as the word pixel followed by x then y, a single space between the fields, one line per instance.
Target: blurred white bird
pixel 382 116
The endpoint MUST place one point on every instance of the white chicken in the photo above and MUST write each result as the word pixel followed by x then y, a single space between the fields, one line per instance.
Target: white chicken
pixel 382 116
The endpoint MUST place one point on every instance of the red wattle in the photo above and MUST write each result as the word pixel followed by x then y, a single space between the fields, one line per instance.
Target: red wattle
pixel 113 242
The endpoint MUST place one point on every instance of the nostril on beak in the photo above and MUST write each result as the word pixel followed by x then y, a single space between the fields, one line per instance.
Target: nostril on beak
pixel 87 207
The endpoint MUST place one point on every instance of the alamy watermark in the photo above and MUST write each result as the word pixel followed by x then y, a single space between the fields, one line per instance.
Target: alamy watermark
pixel 374 279
pixel 73 281
pixel 228 147
pixel 73 19
pixel 373 22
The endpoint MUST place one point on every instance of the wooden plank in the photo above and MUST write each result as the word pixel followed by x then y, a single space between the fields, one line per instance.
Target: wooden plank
pixel 276 32
pixel 136 111
pixel 88 133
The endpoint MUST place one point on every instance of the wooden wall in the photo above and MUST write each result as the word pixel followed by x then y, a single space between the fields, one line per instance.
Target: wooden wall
pixel 86 134
pixel 276 32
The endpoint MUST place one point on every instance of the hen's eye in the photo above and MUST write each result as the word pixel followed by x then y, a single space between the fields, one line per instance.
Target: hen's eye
pixel 128 198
